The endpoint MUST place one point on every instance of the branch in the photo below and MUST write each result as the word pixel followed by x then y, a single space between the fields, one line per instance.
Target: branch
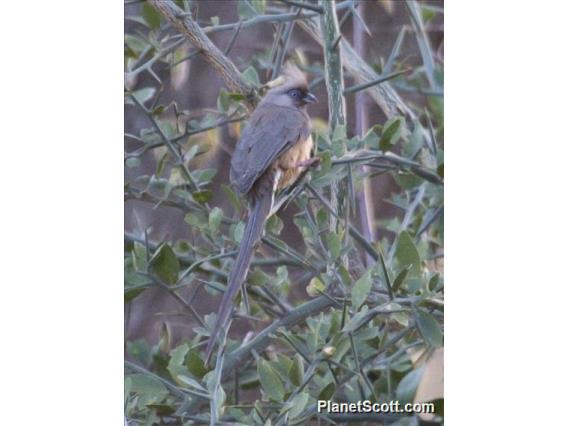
pixel 365 205
pixel 171 148
pixel 333 69
pixel 304 5
pixel 383 94
pixel 234 80
pixel 271 18
pixel 262 340
pixel 329 26
pixel 368 156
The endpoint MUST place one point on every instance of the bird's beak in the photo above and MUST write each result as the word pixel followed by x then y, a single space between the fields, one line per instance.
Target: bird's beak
pixel 310 98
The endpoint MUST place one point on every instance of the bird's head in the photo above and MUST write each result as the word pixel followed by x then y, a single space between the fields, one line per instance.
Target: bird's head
pixel 293 90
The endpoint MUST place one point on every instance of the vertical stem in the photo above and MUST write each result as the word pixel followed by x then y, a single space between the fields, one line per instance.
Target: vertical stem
pixel 286 35
pixel 333 68
pixel 334 83
pixel 364 197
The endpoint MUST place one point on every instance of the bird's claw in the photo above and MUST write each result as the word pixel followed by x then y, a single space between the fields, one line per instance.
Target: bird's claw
pixel 311 162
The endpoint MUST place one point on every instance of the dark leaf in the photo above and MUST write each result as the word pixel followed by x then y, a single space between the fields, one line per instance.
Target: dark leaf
pixel 406 388
pixel 407 254
pixel 429 328
pixel 130 294
pixel 165 264
pixel 215 218
pixel 151 15
pixel 399 280
pixel 202 196
pixel 333 245
pixel 195 365
pixel 297 370
pixel 270 382
pixel 327 392
pixel 391 133
pixel 361 290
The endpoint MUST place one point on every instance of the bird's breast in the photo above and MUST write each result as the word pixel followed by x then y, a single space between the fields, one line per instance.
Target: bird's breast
pixel 287 162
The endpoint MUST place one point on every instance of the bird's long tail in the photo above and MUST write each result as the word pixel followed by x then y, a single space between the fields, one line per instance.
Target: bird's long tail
pixel 253 230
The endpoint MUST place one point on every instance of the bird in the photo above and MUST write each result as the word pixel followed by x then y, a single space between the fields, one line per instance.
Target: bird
pixel 273 151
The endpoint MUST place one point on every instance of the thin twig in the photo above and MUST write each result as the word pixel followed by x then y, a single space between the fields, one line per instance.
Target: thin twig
pixel 195 34
pixel 379 80
pixel 303 5
pixel 173 151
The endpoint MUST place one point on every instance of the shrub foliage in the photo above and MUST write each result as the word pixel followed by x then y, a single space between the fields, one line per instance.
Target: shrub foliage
pixel 372 310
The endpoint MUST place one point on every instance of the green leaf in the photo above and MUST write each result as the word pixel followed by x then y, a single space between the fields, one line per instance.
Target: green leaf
pixel 215 218
pixel 338 141
pixel 371 140
pixel 202 196
pixel 274 224
pixel 325 162
pixel 416 141
pixel 195 365
pixel 237 97
pixel 192 383
pixel 165 342
pixel 250 8
pixel 132 162
pixel 271 384
pixel 406 388
pixel 407 254
pixel 391 133
pixel 130 294
pixel 399 280
pixel 258 277
pixel 429 328
pixel 239 232
pixel 298 404
pixel 204 176
pixel 140 351
pixel 162 409
pixel 315 287
pixel 233 198
pixel 223 100
pixel 134 43
pixel 159 110
pixel 297 370
pixel 357 320
pixel 161 165
pixel 151 15
pixel 334 245
pixel 143 95
pixel 327 392
pixel 361 290
pixel 434 281
pixel 339 133
pixel 182 247
pixel 148 386
pixel 176 365
pixel 251 76
pixel 165 264
pixel 196 219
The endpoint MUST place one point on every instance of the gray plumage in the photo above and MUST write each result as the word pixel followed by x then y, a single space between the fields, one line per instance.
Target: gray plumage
pixel 276 138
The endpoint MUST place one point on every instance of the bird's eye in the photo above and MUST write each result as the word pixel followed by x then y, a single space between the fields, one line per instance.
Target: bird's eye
pixel 295 93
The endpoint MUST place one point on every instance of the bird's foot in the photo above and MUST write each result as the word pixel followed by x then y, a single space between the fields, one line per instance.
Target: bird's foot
pixel 311 162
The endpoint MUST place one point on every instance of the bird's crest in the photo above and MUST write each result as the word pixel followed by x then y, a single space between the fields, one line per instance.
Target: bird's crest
pixel 293 76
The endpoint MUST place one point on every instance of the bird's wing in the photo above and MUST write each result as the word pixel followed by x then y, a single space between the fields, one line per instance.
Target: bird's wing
pixel 271 131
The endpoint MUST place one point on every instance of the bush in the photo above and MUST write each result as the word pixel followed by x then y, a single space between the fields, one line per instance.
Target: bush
pixel 340 314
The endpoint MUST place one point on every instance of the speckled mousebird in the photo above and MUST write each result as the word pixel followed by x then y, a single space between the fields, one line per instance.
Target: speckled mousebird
pixel 274 149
